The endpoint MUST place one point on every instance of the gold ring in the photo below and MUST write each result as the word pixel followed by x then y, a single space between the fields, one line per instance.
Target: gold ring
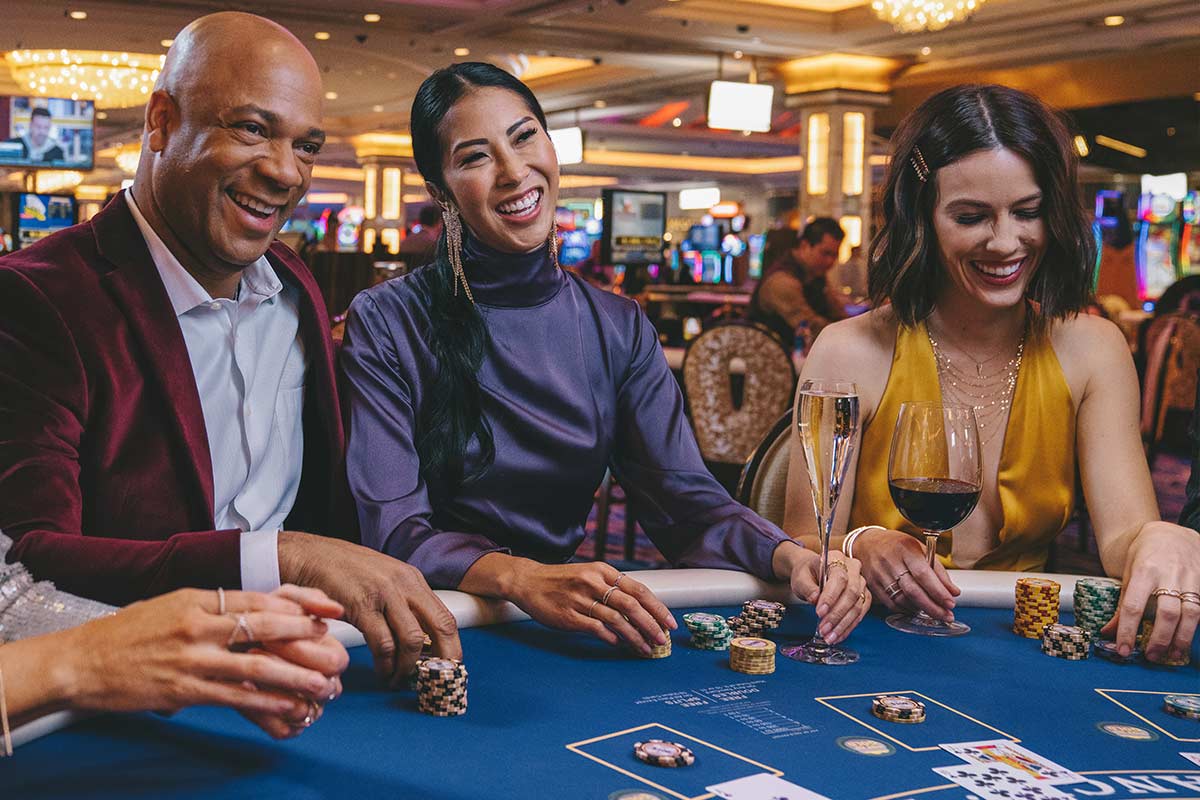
pixel 1190 597
pixel 592 608
pixel 220 601
pixel 608 594
pixel 838 563
pixel 618 580
pixel 862 595
pixel 1166 593
pixel 314 712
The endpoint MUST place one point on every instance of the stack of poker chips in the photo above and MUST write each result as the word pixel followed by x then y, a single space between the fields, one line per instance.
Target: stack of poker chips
pixel 1036 606
pixel 1143 640
pixel 662 753
pixel 760 616
pixel 751 655
pixel 898 708
pixel 661 650
pixel 1066 641
pixel 1096 602
pixel 1186 706
pixel 739 627
pixel 442 687
pixel 709 631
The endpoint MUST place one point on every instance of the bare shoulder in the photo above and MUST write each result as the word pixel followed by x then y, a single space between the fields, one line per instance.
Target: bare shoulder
pixel 858 349
pixel 1089 340
pixel 868 336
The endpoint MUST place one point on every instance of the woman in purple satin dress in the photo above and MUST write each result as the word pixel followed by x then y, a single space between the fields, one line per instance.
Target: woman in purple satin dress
pixel 490 390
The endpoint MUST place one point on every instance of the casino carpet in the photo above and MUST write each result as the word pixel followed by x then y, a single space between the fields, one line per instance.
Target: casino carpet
pixel 1170 483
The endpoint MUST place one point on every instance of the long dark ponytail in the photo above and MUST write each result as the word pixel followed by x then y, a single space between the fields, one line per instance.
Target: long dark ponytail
pixel 452 412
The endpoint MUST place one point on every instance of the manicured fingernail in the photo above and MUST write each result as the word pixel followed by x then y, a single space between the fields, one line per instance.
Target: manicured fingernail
pixel 823 609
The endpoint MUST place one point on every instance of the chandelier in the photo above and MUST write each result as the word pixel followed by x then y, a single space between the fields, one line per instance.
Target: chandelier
pixel 914 16
pixel 113 80
pixel 128 156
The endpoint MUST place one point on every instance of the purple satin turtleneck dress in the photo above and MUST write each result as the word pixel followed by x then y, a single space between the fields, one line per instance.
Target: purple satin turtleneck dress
pixel 573 382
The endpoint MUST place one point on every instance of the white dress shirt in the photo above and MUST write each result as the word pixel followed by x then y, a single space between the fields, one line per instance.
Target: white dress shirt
pixel 248 359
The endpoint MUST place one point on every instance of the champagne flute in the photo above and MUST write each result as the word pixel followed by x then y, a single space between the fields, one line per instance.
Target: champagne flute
pixel 827 420
pixel 934 476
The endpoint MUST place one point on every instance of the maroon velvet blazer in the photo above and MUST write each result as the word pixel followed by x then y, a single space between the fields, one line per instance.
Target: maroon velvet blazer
pixel 105 474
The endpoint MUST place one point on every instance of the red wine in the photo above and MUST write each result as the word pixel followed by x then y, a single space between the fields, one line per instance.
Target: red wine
pixel 934 504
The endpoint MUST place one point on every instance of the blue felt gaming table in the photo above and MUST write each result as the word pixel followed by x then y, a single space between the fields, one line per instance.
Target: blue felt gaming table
pixel 554 715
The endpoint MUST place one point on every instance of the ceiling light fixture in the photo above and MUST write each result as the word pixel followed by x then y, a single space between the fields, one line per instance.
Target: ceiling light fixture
pixel 738 54
pixel 926 51
pixel 167 42
pixel 113 80
pixel 377 108
pixel 462 51
pixel 914 16
pixel 1114 20
pixel 371 18
pixel 321 36
pixel 602 104
pixel 677 122
pixel 331 95
pixel 1081 146
pixel 80 15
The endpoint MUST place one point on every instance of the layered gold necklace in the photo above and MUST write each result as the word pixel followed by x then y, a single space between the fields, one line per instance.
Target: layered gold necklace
pixel 989 393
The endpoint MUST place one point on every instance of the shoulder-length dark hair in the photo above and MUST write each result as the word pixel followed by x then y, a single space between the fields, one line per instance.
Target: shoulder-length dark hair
pixel 905 261
pixel 451 415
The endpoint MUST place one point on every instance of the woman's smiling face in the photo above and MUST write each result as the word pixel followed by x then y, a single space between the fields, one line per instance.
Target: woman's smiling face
pixel 500 169
pixel 990 227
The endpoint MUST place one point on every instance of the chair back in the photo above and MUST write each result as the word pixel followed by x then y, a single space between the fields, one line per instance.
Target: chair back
pixel 726 432
pixel 1170 382
pixel 763 487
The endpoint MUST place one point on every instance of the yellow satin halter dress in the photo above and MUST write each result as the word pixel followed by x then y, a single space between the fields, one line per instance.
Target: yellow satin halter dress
pixel 1036 480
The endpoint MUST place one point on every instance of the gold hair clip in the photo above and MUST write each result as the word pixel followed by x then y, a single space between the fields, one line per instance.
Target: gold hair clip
pixel 919 166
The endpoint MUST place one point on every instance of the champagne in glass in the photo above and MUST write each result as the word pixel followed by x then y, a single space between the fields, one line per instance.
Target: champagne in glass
pixel 934 475
pixel 827 421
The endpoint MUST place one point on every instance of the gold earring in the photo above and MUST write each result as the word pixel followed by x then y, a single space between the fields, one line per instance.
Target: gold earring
pixel 453 225
pixel 554 244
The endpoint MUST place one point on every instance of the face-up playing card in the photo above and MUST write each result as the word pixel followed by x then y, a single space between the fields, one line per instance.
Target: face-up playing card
pixel 1192 757
pixel 998 782
pixel 763 787
pixel 1003 752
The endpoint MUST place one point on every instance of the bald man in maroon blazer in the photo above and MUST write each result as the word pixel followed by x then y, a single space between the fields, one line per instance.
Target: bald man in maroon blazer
pixel 168 412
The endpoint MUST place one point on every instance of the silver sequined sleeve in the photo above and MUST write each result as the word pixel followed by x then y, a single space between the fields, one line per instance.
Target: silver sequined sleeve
pixel 31 608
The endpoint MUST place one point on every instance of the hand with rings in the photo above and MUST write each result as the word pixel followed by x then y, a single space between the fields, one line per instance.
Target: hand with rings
pixel 174 651
pixel 592 597
pixel 845 599
pixel 900 577
pixel 1162 566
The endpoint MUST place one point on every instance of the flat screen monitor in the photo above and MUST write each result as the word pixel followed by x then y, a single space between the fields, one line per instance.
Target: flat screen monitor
pixel 705 237
pixel 47 133
pixel 634 224
pixel 39 215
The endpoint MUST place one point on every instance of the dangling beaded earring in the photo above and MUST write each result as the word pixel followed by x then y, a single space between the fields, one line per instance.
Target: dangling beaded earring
pixel 554 244
pixel 453 224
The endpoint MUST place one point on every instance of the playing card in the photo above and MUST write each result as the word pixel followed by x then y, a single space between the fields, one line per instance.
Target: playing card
pixel 998 782
pixel 1192 757
pixel 1039 769
pixel 763 787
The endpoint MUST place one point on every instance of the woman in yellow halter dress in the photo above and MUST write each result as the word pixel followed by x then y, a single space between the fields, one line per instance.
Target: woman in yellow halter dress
pixel 978 275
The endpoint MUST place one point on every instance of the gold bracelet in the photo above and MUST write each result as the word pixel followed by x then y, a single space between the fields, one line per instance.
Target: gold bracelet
pixel 8 751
